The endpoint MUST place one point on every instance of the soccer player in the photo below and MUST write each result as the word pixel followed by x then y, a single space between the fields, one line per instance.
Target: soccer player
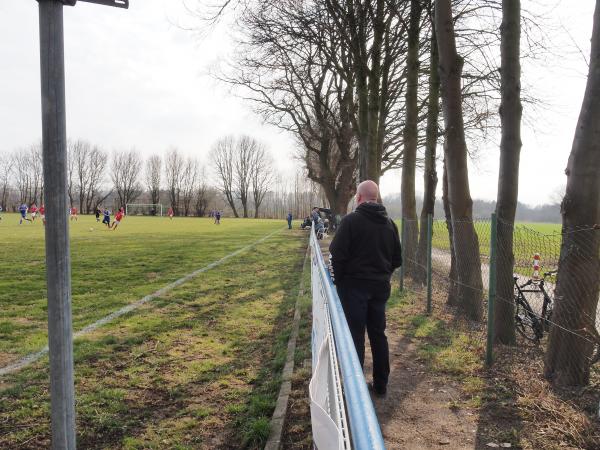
pixel 218 217
pixel 0 212
pixel 118 218
pixel 23 210
pixel 73 212
pixel 34 211
pixel 98 212
pixel 42 212
pixel 170 213
pixel 106 219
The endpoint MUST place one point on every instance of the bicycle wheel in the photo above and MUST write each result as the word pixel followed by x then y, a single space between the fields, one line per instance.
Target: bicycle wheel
pixel 527 324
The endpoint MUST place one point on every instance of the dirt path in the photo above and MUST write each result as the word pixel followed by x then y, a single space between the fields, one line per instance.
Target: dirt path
pixel 417 412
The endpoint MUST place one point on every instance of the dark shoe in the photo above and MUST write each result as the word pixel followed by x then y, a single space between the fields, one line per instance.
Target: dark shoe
pixel 376 390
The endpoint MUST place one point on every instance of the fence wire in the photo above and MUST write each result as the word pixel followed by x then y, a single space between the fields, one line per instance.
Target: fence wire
pixel 539 297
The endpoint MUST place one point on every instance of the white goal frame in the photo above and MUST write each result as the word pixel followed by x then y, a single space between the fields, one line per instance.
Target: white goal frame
pixel 157 206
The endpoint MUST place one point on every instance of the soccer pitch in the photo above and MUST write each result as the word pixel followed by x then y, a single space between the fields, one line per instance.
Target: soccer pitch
pixel 197 367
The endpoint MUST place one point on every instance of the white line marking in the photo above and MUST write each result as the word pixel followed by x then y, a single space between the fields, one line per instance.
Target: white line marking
pixel 33 357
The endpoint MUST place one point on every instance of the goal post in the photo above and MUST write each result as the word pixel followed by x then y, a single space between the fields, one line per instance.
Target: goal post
pixel 144 209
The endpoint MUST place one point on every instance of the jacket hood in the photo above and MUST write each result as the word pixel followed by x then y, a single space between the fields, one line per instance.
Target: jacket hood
pixel 373 211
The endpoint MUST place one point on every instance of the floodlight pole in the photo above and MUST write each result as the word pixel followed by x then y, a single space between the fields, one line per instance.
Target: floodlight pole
pixel 58 261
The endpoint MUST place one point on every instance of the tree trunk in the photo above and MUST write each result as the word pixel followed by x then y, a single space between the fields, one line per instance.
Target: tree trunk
pixel 466 243
pixel 452 277
pixel 409 156
pixel 430 178
pixel 576 296
pixel 508 178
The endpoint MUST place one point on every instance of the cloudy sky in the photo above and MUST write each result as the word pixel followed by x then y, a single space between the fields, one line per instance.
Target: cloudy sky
pixel 138 78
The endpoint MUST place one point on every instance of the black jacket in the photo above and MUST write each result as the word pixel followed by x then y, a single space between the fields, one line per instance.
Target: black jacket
pixel 366 245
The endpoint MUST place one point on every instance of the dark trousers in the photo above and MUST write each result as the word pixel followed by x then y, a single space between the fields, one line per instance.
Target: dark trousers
pixel 289 224
pixel 364 306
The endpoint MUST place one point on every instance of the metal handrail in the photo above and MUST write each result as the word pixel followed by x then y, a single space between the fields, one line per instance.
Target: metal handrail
pixel 364 426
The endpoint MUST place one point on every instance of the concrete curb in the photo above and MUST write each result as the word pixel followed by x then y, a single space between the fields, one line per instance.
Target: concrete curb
pixel 279 415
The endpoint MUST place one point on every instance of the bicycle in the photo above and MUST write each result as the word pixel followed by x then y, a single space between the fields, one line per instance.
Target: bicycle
pixel 528 323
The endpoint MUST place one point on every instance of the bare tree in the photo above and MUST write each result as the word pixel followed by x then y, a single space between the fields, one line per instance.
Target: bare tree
pixel 174 163
pixel 411 137
pixel 5 177
pixel 95 194
pixel 430 178
pixel 203 194
pixel 245 150
pixel 223 159
pixel 153 176
pixel 80 154
pixel 576 296
pixel 465 240
pixel 189 182
pixel 295 86
pixel 261 176
pixel 71 174
pixel 125 169
pixel 508 178
pixel 21 165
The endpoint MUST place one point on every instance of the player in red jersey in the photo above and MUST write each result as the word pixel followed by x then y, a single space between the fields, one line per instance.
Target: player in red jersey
pixel 170 213
pixel 74 213
pixel 118 218
pixel 42 212
pixel 33 210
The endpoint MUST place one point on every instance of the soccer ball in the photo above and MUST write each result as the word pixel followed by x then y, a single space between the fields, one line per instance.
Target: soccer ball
pixel 91 229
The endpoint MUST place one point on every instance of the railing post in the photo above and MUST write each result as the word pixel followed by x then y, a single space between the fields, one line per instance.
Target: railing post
pixel 429 269
pixel 489 352
pixel 401 271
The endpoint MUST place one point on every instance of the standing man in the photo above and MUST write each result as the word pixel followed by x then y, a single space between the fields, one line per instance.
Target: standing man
pixel 315 216
pixel 364 252
pixel 289 220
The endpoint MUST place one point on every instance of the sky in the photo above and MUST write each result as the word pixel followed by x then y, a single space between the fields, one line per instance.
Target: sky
pixel 140 78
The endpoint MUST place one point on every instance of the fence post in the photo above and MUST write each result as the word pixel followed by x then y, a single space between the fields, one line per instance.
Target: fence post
pixel 429 269
pixel 489 352
pixel 401 274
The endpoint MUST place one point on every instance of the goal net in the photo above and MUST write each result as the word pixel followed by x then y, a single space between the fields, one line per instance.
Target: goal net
pixel 144 209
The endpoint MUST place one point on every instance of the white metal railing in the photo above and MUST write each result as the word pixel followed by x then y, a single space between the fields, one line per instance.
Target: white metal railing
pixel 342 412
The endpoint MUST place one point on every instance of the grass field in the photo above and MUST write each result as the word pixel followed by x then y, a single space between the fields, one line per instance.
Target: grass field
pixel 529 238
pixel 196 368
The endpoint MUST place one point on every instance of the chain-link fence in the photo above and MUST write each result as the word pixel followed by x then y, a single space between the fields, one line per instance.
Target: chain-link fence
pixel 512 287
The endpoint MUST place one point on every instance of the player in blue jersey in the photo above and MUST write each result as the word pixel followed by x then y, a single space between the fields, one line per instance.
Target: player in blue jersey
pixel 23 210
pixel 106 219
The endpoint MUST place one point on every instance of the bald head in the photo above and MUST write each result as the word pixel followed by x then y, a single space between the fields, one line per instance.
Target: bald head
pixel 367 191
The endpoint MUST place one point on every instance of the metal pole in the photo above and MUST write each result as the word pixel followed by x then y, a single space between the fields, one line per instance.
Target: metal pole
pixel 429 271
pixel 401 273
pixel 58 263
pixel 489 351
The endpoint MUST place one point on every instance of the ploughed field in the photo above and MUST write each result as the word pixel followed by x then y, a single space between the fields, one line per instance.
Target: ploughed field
pixel 197 367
